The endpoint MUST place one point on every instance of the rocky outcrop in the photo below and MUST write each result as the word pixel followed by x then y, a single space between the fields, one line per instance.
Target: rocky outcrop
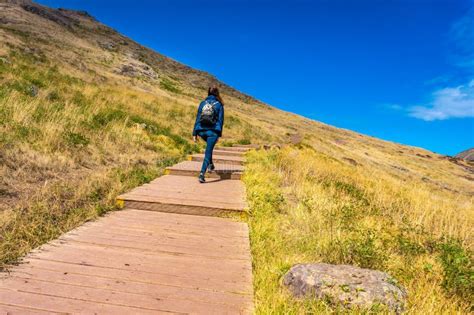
pixel 346 285
pixel 137 69
pixel 17 1
pixel 50 14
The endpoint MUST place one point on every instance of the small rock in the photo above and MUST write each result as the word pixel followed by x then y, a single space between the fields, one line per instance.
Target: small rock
pixel 400 168
pixel 350 161
pixel 127 70
pixel 348 285
pixel 271 146
pixel 108 46
pixel 33 90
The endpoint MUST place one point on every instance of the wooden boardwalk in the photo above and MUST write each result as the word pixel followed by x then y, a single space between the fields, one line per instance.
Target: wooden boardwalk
pixel 165 252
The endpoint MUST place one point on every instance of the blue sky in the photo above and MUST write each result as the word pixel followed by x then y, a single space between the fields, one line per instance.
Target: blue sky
pixel 398 70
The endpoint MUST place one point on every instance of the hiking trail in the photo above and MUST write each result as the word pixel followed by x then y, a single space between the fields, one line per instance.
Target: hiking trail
pixel 164 252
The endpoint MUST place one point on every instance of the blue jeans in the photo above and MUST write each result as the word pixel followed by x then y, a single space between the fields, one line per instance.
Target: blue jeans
pixel 211 138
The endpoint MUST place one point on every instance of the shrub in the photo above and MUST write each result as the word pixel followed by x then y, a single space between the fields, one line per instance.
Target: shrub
pixel 243 141
pixel 407 245
pixel 226 143
pixel 169 86
pixel 20 86
pixel 106 116
pixel 80 100
pixel 54 96
pixel 365 252
pixel 458 269
pixel 75 139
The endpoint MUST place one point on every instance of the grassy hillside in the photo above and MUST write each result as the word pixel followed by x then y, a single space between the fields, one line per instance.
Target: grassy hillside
pixel 86 113
pixel 307 206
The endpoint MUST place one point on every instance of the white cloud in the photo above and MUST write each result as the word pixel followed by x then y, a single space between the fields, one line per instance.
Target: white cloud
pixel 457 102
pixel 453 102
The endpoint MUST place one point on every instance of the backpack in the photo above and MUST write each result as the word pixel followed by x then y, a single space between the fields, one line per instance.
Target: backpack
pixel 208 114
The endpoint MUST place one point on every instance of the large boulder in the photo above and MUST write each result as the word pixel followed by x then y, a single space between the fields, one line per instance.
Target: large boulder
pixel 347 285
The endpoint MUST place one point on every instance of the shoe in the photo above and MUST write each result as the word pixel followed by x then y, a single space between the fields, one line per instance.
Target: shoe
pixel 211 168
pixel 201 178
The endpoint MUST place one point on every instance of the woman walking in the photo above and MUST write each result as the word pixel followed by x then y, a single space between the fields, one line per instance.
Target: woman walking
pixel 208 126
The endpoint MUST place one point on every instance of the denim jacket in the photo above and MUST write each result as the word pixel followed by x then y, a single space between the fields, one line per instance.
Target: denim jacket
pixel 217 127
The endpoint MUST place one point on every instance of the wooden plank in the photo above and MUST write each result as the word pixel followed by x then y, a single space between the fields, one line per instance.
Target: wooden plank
pixel 186 184
pixel 54 304
pixel 234 149
pixel 134 260
pixel 222 159
pixel 171 234
pixel 227 152
pixel 156 227
pixel 19 310
pixel 231 230
pixel 114 298
pixel 159 193
pixel 198 221
pixel 162 238
pixel 129 286
pixel 193 168
pixel 213 251
pixel 162 277
pixel 251 146
pixel 195 174
pixel 169 207
pixel 157 253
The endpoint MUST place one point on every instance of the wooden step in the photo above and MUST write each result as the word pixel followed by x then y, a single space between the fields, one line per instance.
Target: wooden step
pixel 251 146
pixel 221 159
pixel 184 194
pixel 233 149
pixel 229 153
pixel 185 264
pixel 193 168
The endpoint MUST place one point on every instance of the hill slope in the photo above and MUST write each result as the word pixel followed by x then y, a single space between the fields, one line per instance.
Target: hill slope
pixel 466 155
pixel 86 113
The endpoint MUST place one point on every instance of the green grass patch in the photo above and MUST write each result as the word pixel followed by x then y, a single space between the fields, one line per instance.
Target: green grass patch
pixel 244 141
pixel 75 140
pixel 107 116
pixel 458 269
pixel 170 86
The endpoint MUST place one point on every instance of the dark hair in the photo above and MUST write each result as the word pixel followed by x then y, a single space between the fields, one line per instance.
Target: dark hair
pixel 213 90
